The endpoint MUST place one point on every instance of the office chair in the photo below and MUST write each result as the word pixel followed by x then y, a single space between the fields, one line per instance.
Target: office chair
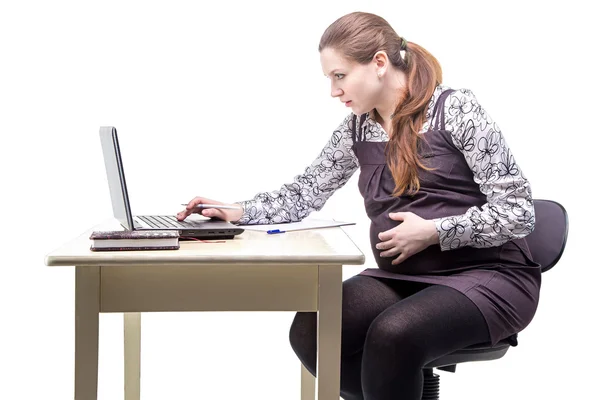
pixel 546 243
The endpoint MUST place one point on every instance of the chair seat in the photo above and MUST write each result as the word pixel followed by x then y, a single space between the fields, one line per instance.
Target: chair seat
pixel 472 353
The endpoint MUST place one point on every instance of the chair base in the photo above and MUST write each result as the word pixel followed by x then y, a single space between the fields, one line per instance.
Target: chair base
pixel 431 385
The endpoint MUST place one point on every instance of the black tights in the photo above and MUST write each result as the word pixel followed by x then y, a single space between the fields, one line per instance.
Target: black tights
pixel 390 331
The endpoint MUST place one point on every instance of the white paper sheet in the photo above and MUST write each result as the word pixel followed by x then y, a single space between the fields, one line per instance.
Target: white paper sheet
pixel 307 223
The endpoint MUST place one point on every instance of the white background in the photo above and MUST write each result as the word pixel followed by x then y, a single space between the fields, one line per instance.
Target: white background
pixel 228 100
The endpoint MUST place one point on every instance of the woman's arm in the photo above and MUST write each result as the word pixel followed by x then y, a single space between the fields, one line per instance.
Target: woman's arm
pixel 508 213
pixel 309 190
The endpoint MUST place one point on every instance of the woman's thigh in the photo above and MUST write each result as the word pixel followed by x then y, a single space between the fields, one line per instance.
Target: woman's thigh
pixel 412 332
pixel 426 325
pixel 363 299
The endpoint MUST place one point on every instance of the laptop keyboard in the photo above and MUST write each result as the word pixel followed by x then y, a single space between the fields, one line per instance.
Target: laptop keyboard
pixel 164 221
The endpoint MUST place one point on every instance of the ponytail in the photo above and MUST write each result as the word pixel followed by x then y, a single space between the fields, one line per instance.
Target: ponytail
pixel 423 74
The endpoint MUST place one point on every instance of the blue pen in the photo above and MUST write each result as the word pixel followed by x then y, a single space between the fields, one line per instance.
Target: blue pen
pixel 275 231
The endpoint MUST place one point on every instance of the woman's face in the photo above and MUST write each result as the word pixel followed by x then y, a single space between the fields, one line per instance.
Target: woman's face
pixel 356 85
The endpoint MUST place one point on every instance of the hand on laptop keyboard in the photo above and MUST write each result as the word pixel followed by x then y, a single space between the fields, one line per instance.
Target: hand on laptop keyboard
pixel 225 215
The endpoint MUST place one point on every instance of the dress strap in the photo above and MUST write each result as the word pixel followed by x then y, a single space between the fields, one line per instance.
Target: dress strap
pixel 357 128
pixel 438 110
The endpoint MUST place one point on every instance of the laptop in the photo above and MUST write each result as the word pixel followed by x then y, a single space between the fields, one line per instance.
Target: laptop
pixel 199 229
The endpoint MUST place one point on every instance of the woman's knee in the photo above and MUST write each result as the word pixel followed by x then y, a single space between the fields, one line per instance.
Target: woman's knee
pixel 388 339
pixel 303 329
pixel 363 298
pixel 303 333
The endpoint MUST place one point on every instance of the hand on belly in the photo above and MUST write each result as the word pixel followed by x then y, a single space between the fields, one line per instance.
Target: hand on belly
pixel 412 235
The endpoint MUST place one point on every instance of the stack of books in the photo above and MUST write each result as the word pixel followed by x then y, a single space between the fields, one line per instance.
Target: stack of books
pixel 134 240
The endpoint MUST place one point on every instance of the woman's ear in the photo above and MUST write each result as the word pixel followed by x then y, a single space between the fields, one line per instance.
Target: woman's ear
pixel 381 61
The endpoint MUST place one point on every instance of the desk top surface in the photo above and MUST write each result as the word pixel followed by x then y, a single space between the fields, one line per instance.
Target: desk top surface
pixel 318 246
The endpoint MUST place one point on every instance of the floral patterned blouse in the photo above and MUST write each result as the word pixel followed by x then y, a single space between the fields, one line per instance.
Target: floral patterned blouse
pixel 507 215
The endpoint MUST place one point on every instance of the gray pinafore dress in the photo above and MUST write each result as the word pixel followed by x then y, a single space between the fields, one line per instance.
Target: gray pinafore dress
pixel 502 281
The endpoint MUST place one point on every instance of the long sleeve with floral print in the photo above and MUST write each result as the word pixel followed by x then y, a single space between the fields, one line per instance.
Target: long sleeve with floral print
pixel 310 190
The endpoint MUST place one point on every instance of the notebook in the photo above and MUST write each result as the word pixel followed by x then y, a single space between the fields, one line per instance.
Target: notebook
pixel 134 240
pixel 115 174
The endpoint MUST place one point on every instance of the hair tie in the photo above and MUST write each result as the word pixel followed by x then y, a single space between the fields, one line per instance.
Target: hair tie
pixel 403 47
pixel 403 44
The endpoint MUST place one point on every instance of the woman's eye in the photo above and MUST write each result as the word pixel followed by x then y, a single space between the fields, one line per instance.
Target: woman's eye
pixel 339 76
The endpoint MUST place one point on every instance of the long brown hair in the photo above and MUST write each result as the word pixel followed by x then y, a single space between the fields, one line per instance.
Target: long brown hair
pixel 358 36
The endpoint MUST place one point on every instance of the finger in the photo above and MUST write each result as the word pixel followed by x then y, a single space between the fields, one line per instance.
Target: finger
pixel 199 200
pixel 398 216
pixel 183 215
pixel 391 252
pixel 387 235
pixel 194 202
pixel 385 245
pixel 213 213
pixel 400 258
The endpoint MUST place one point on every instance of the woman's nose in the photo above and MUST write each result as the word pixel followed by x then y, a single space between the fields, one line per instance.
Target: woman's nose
pixel 336 92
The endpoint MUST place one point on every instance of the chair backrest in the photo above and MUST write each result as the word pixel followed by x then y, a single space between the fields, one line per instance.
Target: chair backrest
pixel 549 237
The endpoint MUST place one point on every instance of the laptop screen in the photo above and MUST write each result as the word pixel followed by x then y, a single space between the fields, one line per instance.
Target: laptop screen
pixel 116 176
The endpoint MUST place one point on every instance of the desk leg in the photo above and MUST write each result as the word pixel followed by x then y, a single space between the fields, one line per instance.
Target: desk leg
pixel 132 329
pixel 307 384
pixel 329 332
pixel 87 309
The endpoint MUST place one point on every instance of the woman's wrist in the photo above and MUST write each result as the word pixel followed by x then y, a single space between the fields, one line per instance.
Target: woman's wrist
pixel 237 215
pixel 434 236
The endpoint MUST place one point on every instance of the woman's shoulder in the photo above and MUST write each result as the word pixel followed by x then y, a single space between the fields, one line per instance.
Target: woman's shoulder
pixel 460 103
pixel 455 93
pixel 462 107
pixel 459 96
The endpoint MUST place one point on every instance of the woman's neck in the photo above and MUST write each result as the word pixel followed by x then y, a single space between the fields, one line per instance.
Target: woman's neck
pixel 394 90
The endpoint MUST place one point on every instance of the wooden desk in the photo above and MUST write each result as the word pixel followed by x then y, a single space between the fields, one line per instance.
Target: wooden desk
pixel 294 271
